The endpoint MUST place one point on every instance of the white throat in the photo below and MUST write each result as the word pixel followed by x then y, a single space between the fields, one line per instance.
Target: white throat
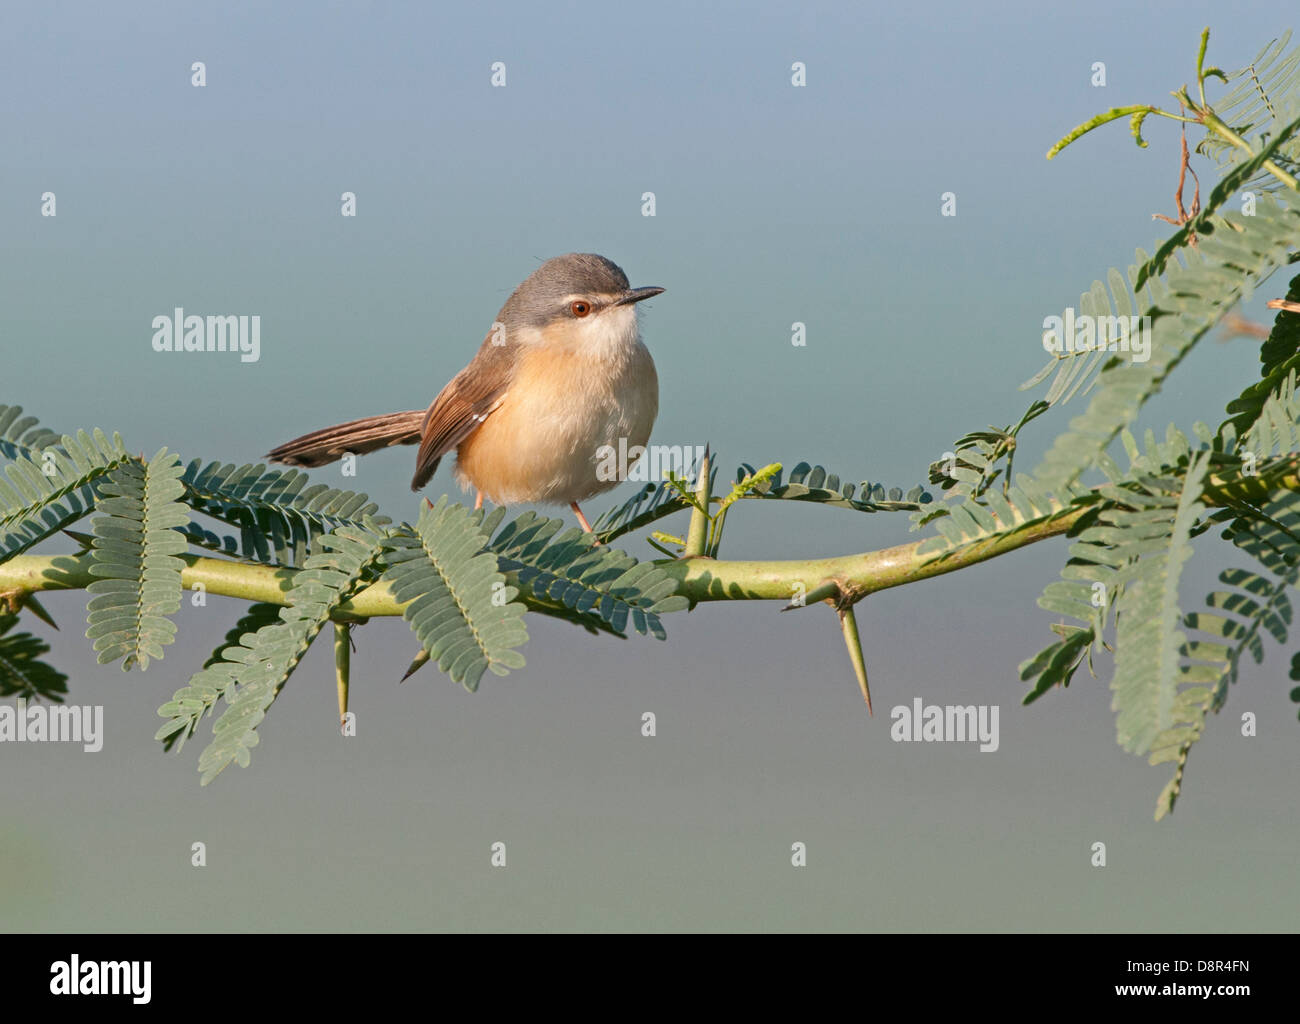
pixel 610 334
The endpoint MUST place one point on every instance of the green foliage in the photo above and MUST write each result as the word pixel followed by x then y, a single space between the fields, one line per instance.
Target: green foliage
pixel 977 510
pixel 813 483
pixel 1260 136
pixel 999 512
pixel 20 436
pixel 1295 674
pixel 136 541
pixel 1210 666
pixel 1125 522
pixel 22 673
pixel 263 661
pixel 39 500
pixel 1076 371
pixel 463 579
pixel 1187 303
pixel 980 457
pixel 1129 554
pixel 747 482
pixel 1279 359
pixel 1234 253
pixel 461 608
pixel 1264 96
pixel 592 581
pixel 276 511
pixel 1136 114
pixel 1150 544
pixel 1056 663
pixel 711 520
pixel 1276 429
pixel 1257 603
pixel 196 699
pixel 806 482
pixel 1208 221
pixel 651 503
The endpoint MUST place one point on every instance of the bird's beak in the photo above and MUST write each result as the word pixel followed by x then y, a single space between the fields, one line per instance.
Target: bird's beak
pixel 636 295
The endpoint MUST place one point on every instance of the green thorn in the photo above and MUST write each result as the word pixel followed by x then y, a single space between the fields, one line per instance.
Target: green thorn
pixel 417 664
pixel 697 536
pixel 342 666
pixel 849 625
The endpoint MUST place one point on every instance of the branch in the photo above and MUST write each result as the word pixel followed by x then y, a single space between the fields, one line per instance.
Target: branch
pixel 699 579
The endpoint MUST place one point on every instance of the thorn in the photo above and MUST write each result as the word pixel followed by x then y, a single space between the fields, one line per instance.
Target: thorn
pixel 342 667
pixel 36 609
pixel 849 625
pixel 416 665
pixel 14 601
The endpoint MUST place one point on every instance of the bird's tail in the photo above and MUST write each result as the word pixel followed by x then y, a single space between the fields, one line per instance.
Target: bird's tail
pixel 356 438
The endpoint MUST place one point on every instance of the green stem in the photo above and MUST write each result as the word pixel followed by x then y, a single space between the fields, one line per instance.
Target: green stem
pixel 1200 65
pixel 697 537
pixel 715 532
pixel 698 578
pixel 1217 126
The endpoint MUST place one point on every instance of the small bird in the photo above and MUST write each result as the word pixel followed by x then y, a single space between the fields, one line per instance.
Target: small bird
pixel 562 373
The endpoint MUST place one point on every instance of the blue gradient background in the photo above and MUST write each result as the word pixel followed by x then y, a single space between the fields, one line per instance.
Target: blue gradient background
pixel 775 204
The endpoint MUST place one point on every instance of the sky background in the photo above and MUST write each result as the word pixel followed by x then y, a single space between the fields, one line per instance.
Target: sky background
pixel 774 204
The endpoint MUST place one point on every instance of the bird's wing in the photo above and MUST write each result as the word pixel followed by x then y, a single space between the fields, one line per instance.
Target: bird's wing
pixel 462 406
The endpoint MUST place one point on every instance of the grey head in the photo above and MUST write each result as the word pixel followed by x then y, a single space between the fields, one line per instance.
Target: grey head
pixel 573 287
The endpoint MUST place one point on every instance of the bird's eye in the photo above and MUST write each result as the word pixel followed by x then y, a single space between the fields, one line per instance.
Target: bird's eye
pixel 580 308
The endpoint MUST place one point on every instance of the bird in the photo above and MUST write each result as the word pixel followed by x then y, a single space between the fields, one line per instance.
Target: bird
pixel 561 374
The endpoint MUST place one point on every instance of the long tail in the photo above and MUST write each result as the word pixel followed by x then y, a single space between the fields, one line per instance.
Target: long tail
pixel 356 438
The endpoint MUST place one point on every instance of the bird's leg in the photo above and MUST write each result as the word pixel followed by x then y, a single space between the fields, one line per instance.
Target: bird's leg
pixel 582 520
pixel 478 500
